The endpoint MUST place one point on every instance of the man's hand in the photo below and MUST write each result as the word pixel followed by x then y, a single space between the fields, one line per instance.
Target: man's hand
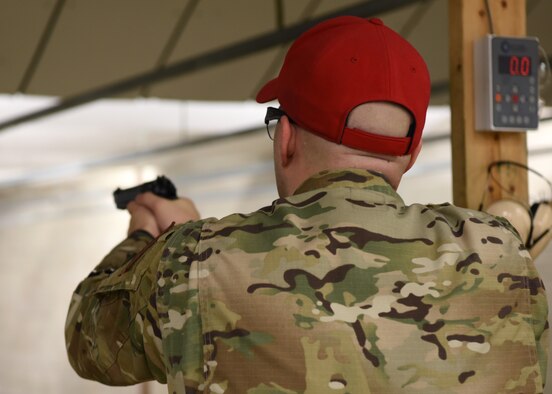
pixel 148 206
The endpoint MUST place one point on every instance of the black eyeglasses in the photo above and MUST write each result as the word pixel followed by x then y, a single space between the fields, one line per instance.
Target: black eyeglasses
pixel 273 114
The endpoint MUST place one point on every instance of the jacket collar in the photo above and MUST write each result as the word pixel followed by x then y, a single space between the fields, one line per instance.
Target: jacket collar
pixel 353 178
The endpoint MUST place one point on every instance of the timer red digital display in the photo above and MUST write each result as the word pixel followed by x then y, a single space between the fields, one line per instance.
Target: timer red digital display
pixel 515 65
pixel 505 81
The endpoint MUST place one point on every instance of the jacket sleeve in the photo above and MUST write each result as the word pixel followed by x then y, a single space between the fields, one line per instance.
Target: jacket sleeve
pixel 539 311
pixel 111 332
pixel 538 302
pixel 537 299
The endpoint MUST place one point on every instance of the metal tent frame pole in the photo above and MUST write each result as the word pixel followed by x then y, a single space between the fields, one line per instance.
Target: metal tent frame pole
pixel 210 59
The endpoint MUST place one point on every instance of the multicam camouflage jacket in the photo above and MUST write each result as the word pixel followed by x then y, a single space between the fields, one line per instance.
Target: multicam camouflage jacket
pixel 340 288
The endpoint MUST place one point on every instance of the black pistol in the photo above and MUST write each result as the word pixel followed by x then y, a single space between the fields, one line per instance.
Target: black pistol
pixel 162 187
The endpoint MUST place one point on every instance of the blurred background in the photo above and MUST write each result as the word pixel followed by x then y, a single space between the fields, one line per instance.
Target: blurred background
pixel 200 128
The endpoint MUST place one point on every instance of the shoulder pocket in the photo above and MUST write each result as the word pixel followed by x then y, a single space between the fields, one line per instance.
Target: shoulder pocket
pixel 130 275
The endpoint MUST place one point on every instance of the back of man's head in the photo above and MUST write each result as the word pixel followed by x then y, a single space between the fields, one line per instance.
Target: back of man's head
pixel 334 68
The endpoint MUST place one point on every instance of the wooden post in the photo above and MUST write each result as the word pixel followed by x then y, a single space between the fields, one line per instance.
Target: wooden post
pixel 472 151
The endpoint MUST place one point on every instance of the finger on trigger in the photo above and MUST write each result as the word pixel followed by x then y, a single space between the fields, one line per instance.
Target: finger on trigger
pixel 148 199
pixel 132 206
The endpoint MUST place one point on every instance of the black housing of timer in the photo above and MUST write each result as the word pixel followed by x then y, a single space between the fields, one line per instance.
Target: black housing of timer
pixel 506 83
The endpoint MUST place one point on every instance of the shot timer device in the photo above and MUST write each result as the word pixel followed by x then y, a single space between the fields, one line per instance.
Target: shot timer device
pixel 506 83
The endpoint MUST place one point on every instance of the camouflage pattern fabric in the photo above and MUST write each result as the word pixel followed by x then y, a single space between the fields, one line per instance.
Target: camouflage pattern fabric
pixel 340 288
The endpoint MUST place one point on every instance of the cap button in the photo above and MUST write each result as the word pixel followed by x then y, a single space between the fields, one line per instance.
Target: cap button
pixel 376 21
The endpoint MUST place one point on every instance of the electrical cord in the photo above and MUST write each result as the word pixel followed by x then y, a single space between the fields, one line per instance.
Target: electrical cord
pixel 489 16
pixel 491 176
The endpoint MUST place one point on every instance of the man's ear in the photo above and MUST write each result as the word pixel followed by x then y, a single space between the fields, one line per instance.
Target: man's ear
pixel 286 140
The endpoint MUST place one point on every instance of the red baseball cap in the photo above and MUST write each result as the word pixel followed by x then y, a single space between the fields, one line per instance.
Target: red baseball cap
pixel 342 63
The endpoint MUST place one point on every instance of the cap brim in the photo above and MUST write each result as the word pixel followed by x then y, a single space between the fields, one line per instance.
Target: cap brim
pixel 268 92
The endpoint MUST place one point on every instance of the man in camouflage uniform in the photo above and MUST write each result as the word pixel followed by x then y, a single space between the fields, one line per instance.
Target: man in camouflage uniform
pixel 338 286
